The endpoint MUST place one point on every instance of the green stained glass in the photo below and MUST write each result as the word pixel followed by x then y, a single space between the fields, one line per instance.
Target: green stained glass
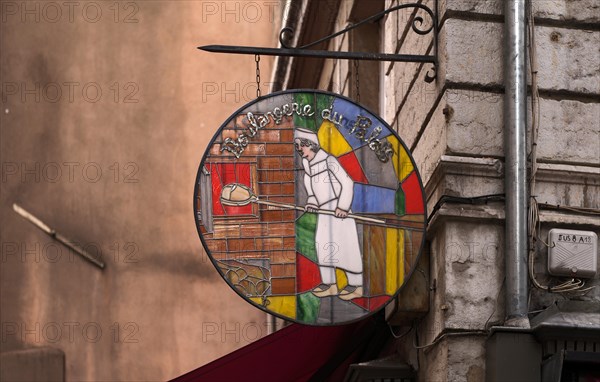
pixel 307 123
pixel 305 235
pixel 307 307
pixel 400 202
pixel 323 102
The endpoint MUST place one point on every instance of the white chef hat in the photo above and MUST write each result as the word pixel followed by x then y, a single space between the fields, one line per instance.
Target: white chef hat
pixel 306 134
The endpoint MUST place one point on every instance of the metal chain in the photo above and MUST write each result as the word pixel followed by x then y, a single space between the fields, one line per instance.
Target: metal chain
pixel 257 60
pixel 357 81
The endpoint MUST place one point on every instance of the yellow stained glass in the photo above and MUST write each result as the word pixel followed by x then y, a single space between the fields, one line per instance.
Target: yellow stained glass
pixel 284 305
pixel 341 278
pixel 402 163
pixel 394 275
pixel 332 141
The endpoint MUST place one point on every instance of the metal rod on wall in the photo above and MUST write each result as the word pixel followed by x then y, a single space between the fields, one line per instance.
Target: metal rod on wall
pixel 317 53
pixel 418 25
pixel 58 237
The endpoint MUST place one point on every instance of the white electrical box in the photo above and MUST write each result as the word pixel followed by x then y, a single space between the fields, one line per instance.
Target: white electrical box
pixel 572 253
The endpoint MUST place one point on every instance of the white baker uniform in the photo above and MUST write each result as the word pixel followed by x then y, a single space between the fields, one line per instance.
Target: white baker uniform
pixel 329 187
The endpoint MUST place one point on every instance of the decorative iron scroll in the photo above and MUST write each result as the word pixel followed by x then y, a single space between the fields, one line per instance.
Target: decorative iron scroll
pixel 417 22
pixel 287 33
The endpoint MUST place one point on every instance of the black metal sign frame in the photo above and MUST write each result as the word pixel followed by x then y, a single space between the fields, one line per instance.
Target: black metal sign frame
pixel 286 34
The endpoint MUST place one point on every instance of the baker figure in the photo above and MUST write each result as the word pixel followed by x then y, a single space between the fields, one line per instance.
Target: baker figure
pixel 330 188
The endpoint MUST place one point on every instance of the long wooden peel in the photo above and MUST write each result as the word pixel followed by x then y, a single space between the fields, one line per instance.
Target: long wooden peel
pixel 237 195
pixel 57 236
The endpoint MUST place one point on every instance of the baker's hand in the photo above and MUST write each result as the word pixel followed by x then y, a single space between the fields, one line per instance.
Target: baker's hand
pixel 341 213
pixel 311 208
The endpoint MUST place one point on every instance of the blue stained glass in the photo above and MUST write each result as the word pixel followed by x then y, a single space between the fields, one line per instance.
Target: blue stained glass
pixel 350 112
pixel 373 199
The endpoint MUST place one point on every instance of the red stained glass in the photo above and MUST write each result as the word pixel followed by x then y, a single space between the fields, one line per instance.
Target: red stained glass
pixel 307 274
pixel 371 303
pixel 226 173
pixel 352 167
pixel 413 194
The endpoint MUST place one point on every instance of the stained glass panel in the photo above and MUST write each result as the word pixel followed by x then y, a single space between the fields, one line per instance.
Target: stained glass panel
pixel 310 207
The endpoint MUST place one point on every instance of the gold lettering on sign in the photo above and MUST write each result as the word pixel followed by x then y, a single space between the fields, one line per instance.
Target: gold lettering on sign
pixel 382 148
pixel 256 122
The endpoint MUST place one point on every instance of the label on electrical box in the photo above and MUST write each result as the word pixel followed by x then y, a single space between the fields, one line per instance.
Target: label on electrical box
pixel 575 239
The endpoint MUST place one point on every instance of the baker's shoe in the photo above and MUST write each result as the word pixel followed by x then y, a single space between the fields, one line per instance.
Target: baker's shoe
pixel 348 293
pixel 325 290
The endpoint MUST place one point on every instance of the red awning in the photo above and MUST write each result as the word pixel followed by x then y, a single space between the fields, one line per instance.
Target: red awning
pixel 298 353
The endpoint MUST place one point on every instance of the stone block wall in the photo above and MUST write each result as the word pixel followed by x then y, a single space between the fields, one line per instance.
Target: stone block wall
pixel 454 127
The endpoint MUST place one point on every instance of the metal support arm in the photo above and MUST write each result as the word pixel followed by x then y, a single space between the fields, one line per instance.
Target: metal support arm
pixel 287 33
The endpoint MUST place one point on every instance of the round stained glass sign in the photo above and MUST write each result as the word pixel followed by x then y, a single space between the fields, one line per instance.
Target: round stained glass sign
pixel 310 207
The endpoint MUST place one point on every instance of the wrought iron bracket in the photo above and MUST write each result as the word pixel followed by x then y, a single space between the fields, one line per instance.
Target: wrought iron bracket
pixel 286 35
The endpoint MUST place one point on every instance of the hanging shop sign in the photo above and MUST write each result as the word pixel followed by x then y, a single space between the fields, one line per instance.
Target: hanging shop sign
pixel 310 207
